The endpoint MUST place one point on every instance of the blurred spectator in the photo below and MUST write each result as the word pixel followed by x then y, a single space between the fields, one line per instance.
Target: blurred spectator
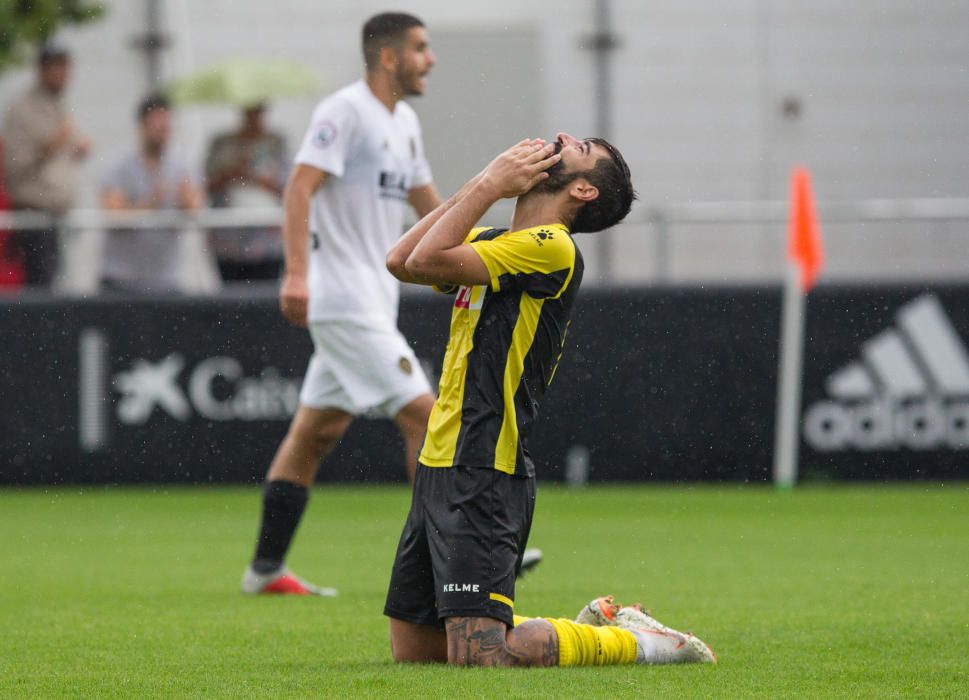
pixel 147 260
pixel 42 155
pixel 247 168
pixel 11 260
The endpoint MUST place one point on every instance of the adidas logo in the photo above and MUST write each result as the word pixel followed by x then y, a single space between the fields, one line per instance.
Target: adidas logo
pixel 909 390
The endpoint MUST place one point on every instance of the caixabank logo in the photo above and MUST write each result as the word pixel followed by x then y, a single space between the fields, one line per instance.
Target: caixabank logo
pixel 141 389
pixel 127 391
pixel 908 390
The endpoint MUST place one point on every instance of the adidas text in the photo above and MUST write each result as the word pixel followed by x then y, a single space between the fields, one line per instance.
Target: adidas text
pixel 887 425
pixel 909 389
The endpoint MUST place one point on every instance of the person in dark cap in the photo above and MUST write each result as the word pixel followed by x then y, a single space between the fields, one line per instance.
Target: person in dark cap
pixel 42 156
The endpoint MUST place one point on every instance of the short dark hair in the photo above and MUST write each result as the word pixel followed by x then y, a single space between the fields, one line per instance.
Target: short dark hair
pixel 151 103
pixel 383 30
pixel 616 194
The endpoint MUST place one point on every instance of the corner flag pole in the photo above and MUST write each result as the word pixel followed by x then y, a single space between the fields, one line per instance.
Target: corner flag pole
pixel 786 435
pixel 805 258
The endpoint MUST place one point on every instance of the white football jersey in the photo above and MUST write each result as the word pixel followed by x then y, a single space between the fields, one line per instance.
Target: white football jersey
pixel 372 157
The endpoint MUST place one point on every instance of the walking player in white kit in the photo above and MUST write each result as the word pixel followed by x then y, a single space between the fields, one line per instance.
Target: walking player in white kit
pixel 360 165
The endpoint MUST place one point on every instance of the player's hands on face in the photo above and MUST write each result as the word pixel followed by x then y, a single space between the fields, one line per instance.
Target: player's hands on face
pixel 521 167
pixel 294 297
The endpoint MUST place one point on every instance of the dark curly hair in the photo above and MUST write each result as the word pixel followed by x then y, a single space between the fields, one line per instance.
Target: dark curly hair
pixel 612 178
pixel 609 175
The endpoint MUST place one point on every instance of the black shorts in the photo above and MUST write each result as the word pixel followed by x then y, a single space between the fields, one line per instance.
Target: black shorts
pixel 462 546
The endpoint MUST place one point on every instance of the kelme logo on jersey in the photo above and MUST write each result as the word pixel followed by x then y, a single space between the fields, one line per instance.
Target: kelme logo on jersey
pixel 461 588
pixel 909 390
pixel 542 235
pixel 324 133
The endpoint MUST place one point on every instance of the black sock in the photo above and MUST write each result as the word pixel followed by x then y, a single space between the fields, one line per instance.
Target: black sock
pixel 282 507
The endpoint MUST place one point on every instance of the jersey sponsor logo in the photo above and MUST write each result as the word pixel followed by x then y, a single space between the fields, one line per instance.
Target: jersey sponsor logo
pixel 324 133
pixel 393 184
pixel 471 298
pixel 460 588
pixel 909 390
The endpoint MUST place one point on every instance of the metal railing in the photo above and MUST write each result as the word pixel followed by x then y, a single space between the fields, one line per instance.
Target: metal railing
pixel 661 219
pixel 81 234
pixel 87 219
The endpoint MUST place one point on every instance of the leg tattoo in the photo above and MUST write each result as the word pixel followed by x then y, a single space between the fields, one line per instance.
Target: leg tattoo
pixel 482 641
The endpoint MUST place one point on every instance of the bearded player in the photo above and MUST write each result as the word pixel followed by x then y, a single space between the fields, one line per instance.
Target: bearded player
pixel 452 590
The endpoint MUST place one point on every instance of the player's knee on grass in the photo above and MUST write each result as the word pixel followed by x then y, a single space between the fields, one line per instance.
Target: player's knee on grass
pixel 482 641
pixel 535 642
pixel 412 643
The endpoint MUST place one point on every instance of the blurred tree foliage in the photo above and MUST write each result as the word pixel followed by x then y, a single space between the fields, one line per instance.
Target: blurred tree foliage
pixel 25 24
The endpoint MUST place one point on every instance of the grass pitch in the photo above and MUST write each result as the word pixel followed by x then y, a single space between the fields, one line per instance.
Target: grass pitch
pixel 825 592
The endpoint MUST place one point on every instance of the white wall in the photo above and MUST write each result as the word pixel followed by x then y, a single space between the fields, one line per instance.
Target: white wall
pixel 883 86
pixel 698 91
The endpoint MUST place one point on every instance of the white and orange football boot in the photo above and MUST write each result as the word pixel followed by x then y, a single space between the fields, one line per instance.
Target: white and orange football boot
pixel 657 643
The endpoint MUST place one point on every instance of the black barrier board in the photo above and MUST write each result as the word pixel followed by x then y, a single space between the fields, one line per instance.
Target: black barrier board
pixel 171 391
pixel 886 383
pixel 657 383
pixel 666 384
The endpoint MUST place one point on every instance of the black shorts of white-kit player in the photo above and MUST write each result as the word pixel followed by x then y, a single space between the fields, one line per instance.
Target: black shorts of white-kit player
pixel 462 545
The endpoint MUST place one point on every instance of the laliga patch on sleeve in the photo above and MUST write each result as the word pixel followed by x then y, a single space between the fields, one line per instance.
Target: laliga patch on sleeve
pixel 325 133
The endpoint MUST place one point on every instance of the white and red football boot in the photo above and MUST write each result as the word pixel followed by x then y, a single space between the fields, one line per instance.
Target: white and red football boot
pixel 280 582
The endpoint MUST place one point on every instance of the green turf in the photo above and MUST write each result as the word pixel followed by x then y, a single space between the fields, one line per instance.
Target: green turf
pixel 834 592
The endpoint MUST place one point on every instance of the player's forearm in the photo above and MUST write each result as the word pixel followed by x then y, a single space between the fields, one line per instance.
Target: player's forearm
pixel 451 228
pixel 398 255
pixel 296 218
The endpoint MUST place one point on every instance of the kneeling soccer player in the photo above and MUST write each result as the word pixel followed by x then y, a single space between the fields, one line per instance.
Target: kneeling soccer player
pixel 475 487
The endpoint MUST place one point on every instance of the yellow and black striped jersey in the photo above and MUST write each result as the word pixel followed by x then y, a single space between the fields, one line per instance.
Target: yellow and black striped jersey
pixel 506 341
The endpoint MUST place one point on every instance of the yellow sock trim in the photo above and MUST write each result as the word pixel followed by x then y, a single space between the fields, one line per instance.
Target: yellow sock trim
pixel 585 645
pixel 520 619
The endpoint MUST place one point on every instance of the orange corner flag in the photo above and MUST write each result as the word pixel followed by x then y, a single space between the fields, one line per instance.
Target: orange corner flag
pixel 804 234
